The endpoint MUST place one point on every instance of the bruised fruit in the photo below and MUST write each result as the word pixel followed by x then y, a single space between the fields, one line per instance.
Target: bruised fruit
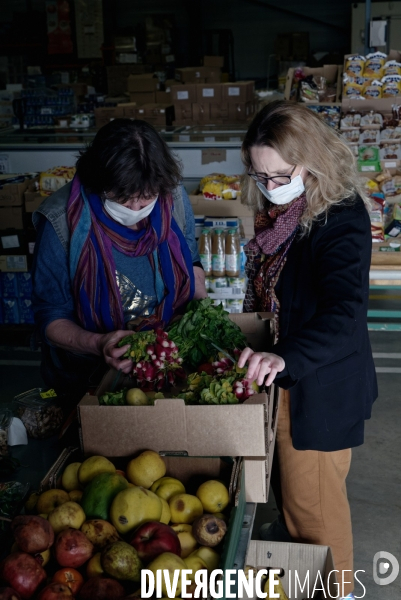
pixel 99 588
pixel 208 530
pixel 32 534
pixel 23 573
pixel 134 506
pixel 100 533
pixel 56 591
pixel 185 508
pixel 72 548
pixel 42 557
pixel 121 560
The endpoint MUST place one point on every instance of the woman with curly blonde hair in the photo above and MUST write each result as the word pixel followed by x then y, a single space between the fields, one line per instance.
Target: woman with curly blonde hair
pixel 309 264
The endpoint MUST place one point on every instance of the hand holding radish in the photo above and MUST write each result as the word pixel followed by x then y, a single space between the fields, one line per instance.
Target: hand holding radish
pixel 261 364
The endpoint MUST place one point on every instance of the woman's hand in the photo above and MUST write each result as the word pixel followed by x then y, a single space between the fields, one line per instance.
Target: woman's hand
pixel 112 354
pixel 261 364
pixel 200 284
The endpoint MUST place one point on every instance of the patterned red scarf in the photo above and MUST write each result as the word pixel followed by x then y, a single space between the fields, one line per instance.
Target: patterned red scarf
pixel 275 230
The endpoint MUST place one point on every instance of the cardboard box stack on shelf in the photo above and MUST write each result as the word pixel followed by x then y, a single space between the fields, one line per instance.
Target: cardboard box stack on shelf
pixel 142 88
pixel 159 115
pixel 117 77
pixel 216 103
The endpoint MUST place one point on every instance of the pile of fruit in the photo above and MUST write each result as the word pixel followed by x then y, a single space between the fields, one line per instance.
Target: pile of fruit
pixel 91 538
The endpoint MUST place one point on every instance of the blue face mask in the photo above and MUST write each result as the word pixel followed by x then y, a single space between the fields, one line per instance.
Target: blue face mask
pixel 284 193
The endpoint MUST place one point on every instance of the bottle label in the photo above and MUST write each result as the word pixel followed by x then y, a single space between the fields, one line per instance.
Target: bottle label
pixel 206 260
pixel 232 262
pixel 218 263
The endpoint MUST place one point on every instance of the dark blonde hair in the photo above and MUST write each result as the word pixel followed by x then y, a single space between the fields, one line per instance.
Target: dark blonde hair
pixel 302 138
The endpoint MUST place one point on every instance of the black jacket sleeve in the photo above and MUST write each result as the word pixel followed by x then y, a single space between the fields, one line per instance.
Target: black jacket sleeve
pixel 341 250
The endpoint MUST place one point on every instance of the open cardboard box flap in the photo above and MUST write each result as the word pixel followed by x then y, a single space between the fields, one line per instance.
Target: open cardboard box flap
pixel 306 560
pixel 238 430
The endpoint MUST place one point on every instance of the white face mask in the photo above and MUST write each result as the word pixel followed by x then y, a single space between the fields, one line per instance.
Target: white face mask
pixel 284 193
pixel 127 216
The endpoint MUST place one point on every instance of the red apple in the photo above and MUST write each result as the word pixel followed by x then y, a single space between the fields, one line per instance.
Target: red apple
pixel 7 593
pixel 154 538
pixel 23 573
pixel 99 588
pixel 72 548
pixel 56 591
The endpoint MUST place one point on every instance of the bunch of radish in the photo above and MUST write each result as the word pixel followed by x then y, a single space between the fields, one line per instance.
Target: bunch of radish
pixel 157 364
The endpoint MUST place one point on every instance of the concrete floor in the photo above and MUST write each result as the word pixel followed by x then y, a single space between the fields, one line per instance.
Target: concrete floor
pixel 375 477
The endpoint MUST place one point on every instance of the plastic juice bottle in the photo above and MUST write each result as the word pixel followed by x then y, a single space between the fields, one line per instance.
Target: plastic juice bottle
pixel 233 253
pixel 205 251
pixel 218 253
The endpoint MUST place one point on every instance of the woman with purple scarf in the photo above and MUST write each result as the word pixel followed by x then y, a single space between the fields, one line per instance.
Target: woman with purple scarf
pixel 309 264
pixel 116 251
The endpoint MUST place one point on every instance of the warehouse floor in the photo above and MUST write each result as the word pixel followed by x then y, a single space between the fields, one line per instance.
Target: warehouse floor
pixel 375 477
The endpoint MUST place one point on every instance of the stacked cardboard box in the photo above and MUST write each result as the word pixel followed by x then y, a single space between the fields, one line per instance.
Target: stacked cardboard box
pixel 117 77
pixel 159 115
pixel 142 88
pixel 213 102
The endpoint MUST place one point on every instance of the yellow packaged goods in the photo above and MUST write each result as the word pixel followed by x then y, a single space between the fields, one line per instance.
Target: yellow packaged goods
pixel 392 67
pixel 218 190
pixel 371 186
pixel 354 86
pixel 209 178
pixel 391 86
pixel 374 64
pixel 373 89
pixel 355 65
pixel 233 182
pixel 52 180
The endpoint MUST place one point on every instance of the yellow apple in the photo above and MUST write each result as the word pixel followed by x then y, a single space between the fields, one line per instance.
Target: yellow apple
pixel 166 514
pixel 146 469
pixel 187 540
pixel 195 563
pixel 69 479
pixel 68 515
pixel 213 495
pixel 171 562
pixel 75 495
pixel 100 532
pixel 167 487
pixel 185 508
pixel 132 507
pixel 209 556
pixel 51 499
pixel 92 466
pixel 94 566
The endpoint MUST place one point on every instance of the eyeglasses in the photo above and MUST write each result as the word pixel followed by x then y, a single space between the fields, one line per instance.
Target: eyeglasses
pixel 277 179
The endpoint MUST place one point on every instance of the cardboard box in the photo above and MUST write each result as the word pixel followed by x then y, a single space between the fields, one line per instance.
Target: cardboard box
pixel 141 98
pixel 208 92
pixel 13 241
pixel 332 73
pixel 307 560
pixel 128 109
pixel 213 61
pixel 164 97
pixel 219 208
pixel 12 217
pixel 240 91
pixel 183 111
pixel 201 112
pixel 245 430
pixel 239 111
pixel 142 83
pixel 387 253
pixel 117 77
pixel 158 114
pixel 219 111
pixel 14 263
pixel 12 194
pixel 192 471
pixel 184 93
pixel 103 114
pixel 190 75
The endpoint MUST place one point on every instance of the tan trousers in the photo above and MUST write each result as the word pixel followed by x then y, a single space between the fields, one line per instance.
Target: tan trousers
pixel 314 496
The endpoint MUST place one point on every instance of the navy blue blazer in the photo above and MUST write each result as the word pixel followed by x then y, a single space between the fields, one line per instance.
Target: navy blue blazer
pixel 323 291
